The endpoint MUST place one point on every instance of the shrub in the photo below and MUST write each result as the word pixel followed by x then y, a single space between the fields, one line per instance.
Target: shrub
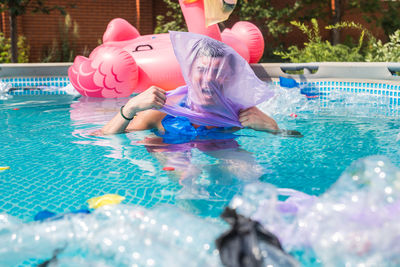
pixel 5 49
pixel 388 52
pixel 173 19
pixel 65 50
pixel 23 50
pixel 317 50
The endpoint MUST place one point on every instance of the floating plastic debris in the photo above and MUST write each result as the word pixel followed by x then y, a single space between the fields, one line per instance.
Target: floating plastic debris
pixel 3 168
pixel 109 199
pixel 248 244
pixel 355 223
pixel 309 90
pixel 69 89
pixel 4 89
pixel 116 235
pixel 46 215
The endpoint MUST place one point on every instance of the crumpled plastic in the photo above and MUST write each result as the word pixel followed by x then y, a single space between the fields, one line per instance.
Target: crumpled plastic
pixel 219 82
pixel 248 244
pixel 354 223
pixel 116 235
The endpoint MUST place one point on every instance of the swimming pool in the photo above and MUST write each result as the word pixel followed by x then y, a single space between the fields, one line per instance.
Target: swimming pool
pixel 55 164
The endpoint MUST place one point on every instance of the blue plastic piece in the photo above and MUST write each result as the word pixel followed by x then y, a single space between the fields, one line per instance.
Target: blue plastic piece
pixel 43 215
pixel 179 130
pixel 310 92
pixel 288 82
pixel 46 215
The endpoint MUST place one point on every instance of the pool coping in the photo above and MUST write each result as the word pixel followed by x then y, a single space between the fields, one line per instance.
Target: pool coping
pixel 265 71
pixel 34 69
pixel 330 70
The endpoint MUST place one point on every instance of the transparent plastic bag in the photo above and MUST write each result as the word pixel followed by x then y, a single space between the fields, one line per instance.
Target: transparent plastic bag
pixel 219 82
pixel 218 10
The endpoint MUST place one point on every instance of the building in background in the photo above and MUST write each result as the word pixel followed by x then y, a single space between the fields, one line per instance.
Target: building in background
pixel 44 32
pixel 91 17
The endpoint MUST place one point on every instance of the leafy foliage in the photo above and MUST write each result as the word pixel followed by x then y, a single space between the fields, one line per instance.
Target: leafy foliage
pixel 64 51
pixel 24 49
pixel 173 19
pixel 19 7
pixel 388 52
pixel 274 23
pixel 5 49
pixel 261 12
pixel 271 20
pixel 317 50
pixel 386 18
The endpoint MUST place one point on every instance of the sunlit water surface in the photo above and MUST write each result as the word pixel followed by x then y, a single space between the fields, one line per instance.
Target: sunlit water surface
pixel 55 163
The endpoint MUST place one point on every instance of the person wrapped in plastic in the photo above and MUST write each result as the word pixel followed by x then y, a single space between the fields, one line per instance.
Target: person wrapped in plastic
pixel 221 92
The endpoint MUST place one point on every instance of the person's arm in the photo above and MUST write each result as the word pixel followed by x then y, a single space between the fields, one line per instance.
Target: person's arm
pixel 257 120
pixel 153 97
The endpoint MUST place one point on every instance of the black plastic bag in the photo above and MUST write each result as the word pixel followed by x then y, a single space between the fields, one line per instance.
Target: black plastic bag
pixel 240 245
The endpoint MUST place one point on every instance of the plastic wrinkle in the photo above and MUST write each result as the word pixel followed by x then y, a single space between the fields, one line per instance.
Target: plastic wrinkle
pixel 219 82
pixel 354 223
pixel 248 244
pixel 113 236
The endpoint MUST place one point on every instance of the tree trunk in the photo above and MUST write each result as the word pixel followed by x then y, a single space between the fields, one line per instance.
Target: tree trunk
pixel 14 38
pixel 336 7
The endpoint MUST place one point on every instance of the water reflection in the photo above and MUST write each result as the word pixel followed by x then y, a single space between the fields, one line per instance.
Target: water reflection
pixel 92 110
pixel 209 171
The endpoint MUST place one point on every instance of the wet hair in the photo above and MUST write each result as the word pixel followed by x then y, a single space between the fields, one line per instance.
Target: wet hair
pixel 211 48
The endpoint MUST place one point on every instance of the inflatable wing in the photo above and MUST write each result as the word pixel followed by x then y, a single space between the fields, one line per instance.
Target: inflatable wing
pixel 128 62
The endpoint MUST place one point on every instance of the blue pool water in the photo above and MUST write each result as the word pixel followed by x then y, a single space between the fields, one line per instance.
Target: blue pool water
pixel 55 164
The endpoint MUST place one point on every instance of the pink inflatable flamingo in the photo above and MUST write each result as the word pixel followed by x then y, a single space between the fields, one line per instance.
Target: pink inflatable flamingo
pixel 129 63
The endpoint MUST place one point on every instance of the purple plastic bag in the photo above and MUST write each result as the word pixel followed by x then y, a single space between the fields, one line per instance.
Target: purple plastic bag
pixel 219 82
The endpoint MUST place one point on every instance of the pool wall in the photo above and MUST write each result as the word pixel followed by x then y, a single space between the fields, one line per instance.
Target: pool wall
pixel 331 70
pixel 356 77
pixel 356 70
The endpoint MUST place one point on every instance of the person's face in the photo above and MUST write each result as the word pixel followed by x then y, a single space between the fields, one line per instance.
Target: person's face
pixel 207 77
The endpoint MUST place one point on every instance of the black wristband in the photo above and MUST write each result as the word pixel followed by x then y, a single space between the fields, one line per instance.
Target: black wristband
pixel 123 116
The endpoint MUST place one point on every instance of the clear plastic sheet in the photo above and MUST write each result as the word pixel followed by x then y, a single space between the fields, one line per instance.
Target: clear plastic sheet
pixel 113 236
pixel 219 82
pixel 218 10
pixel 355 223
pixel 120 235
pixel 4 88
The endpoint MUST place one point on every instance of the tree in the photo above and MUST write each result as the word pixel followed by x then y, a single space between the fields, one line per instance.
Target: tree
pixel 172 20
pixel 271 21
pixel 383 13
pixel 17 8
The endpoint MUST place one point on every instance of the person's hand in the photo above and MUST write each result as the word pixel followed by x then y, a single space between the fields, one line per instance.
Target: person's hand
pixel 255 119
pixel 154 97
